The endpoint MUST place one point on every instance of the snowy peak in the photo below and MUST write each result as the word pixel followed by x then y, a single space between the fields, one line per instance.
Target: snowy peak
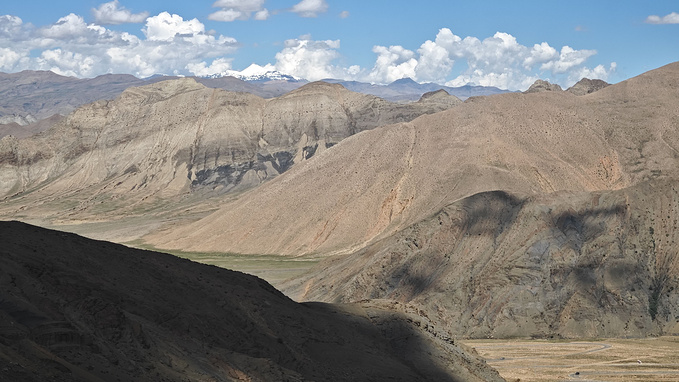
pixel 257 73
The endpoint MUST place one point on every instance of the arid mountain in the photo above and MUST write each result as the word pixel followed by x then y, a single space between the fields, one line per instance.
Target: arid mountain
pixel 74 309
pixel 379 182
pixel 26 130
pixel 174 138
pixel 407 90
pixel 586 86
pixel 41 94
pixel 499 265
pixel 543 86
pixel 30 96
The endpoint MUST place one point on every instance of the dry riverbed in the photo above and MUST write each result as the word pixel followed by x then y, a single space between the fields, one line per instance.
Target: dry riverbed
pixel 610 360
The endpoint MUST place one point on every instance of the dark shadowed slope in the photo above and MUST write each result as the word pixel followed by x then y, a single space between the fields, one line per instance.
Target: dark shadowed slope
pixel 73 309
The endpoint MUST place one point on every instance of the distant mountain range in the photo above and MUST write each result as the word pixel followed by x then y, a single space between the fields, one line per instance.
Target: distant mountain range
pixel 33 96
pixel 407 90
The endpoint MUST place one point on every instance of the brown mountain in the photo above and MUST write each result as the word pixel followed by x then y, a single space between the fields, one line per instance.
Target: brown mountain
pixel 381 181
pixel 543 214
pixel 74 309
pixel 500 265
pixel 586 86
pixel 176 139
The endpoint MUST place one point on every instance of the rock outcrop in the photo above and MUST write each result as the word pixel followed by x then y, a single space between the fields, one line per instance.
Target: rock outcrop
pixel 587 86
pixel 543 86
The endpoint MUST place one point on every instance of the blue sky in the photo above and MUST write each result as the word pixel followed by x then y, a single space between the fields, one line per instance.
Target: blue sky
pixel 507 44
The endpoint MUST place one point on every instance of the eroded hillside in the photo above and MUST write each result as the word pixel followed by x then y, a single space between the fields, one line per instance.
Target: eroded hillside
pixel 382 181
pixel 499 265
pixel 164 141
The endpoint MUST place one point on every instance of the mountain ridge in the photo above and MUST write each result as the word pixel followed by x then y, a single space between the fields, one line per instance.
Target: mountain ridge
pixel 396 175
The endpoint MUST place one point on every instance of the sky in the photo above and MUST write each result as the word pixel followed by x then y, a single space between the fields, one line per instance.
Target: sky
pixel 507 44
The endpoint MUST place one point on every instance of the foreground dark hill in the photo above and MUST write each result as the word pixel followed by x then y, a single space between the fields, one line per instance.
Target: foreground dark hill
pixel 379 182
pixel 73 309
pixel 574 265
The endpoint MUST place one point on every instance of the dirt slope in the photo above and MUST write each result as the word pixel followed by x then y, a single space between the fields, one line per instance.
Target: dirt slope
pixel 74 309
pixel 381 181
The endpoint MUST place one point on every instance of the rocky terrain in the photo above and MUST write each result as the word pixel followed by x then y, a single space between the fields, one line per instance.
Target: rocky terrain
pixel 548 213
pixel 541 214
pixel 500 265
pixel 175 138
pixel 586 86
pixel 74 309
pixel 394 176
pixel 32 96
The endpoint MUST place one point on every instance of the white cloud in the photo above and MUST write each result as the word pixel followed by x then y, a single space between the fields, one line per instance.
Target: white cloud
pixel 232 10
pixel 599 72
pixel 9 59
pixel 310 8
pixel 344 14
pixel 10 26
pixel 165 27
pixel 113 13
pixel 72 47
pixel 568 59
pixel 169 44
pixel 68 63
pixel 262 15
pixel 306 58
pixel 218 66
pixel 672 18
pixel 392 64
pixel 70 26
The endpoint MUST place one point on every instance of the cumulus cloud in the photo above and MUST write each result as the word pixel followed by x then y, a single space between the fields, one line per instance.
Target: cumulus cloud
pixel 9 59
pixel 113 13
pixel 499 60
pixel 170 44
pixel 310 8
pixel 218 66
pixel 672 18
pixel 232 10
pixel 165 27
pixel 393 63
pixel 309 59
pixel 11 27
pixel 71 46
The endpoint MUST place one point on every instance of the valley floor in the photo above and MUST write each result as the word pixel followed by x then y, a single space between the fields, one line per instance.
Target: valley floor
pixel 610 360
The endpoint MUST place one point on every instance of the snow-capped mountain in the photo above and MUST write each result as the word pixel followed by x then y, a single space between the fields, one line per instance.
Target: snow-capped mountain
pixel 257 73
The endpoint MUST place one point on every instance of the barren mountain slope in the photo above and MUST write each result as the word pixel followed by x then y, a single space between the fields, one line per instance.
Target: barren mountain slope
pixel 500 265
pixel 73 309
pixel 381 181
pixel 175 137
pixel 42 94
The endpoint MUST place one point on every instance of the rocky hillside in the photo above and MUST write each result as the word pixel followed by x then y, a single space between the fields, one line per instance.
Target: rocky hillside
pixel 381 181
pixel 177 137
pixel 499 265
pixel 73 309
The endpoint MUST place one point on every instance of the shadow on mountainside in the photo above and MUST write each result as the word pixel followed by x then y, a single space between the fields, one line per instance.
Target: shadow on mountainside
pixel 74 309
